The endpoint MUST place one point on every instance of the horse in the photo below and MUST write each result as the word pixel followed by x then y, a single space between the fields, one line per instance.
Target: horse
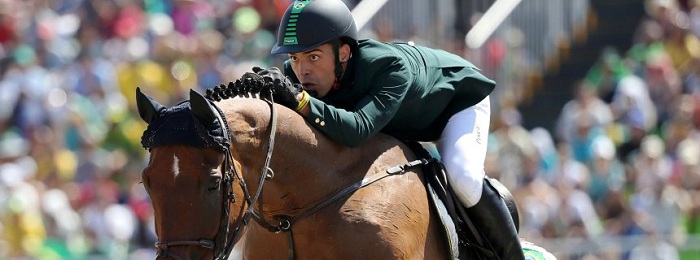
pixel 217 163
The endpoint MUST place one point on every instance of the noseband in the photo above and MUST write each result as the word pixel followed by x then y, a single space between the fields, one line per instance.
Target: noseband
pixel 225 235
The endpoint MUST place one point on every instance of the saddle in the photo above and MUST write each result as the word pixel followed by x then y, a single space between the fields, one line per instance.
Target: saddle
pixel 465 239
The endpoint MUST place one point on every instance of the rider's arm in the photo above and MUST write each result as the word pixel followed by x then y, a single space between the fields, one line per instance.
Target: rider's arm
pixel 371 114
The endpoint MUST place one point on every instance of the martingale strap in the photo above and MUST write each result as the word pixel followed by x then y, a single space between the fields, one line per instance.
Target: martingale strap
pixel 397 170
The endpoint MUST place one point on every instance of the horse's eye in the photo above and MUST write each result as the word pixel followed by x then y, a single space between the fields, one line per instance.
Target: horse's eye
pixel 215 184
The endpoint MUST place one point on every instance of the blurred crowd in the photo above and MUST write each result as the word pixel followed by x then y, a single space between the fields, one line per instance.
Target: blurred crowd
pixel 624 157
pixel 623 160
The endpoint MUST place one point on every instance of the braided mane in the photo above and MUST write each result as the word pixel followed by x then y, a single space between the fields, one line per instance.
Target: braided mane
pixel 251 84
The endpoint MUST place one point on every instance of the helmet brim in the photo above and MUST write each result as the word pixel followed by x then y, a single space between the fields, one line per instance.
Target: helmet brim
pixel 277 49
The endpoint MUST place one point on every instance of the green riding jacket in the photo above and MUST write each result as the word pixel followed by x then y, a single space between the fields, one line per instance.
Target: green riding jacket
pixel 405 91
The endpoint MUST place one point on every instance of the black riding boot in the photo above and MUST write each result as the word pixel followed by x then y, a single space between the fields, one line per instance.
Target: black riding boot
pixel 492 217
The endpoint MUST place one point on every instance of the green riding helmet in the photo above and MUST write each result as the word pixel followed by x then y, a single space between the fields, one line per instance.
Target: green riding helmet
pixel 308 24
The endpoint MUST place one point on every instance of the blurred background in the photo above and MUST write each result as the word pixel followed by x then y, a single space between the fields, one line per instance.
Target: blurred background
pixel 595 118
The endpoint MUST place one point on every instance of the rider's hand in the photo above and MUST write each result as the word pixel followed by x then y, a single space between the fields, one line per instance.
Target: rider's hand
pixel 283 90
pixel 252 81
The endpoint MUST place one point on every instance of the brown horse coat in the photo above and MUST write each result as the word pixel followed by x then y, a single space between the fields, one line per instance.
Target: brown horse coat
pixel 389 219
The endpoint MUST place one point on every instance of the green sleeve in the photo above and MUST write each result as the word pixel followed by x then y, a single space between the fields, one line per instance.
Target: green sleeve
pixel 372 113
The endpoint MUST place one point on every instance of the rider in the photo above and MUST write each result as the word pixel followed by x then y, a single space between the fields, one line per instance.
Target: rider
pixel 352 89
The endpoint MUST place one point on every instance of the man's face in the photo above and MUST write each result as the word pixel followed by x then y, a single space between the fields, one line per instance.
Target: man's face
pixel 315 69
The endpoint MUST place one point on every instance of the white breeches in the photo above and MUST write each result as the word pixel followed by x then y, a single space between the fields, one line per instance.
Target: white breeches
pixel 462 149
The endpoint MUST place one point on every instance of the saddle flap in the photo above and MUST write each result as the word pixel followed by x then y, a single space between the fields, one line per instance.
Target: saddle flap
pixel 456 222
pixel 446 221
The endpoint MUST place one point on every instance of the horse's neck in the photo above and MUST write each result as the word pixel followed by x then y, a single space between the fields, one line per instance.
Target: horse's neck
pixel 302 156
pixel 296 143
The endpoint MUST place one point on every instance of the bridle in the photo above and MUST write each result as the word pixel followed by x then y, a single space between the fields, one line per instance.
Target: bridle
pixel 226 236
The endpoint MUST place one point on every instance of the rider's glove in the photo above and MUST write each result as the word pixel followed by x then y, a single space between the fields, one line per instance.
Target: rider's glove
pixel 283 90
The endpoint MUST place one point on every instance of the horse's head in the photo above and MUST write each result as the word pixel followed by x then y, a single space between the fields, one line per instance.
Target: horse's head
pixel 189 178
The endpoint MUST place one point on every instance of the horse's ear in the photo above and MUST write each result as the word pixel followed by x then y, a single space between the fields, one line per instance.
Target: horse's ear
pixel 201 108
pixel 149 109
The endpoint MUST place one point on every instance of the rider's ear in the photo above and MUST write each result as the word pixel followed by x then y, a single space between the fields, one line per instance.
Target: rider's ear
pixel 344 52
pixel 148 108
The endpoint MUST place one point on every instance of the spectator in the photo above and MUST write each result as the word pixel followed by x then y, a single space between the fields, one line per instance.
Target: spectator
pixel 586 104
